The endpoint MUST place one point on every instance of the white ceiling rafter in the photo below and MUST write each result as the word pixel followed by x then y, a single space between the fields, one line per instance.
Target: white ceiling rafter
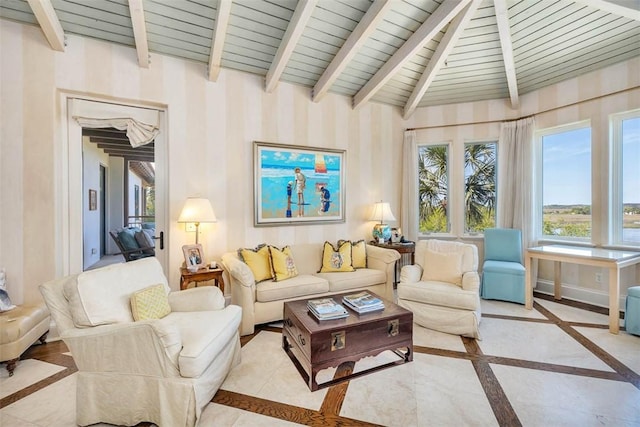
pixel 439 57
pixel 296 26
pixel 350 47
pixel 49 22
pixel 616 9
pixel 217 44
pixel 438 19
pixel 502 18
pixel 139 32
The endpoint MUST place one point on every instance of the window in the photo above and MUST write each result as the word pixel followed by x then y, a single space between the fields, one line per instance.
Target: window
pixel 565 174
pixel 433 188
pixel 626 178
pixel 479 186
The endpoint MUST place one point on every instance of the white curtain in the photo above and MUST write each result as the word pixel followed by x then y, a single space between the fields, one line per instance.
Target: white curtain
pixel 409 201
pixel 138 133
pixel 515 181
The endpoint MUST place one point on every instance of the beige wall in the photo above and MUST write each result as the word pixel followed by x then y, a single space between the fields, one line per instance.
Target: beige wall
pixel 211 128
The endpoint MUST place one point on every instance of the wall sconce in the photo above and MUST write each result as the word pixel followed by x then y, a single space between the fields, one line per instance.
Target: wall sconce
pixel 197 210
pixel 382 213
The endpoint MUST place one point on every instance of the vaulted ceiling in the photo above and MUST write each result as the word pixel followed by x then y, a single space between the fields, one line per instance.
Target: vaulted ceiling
pixel 408 53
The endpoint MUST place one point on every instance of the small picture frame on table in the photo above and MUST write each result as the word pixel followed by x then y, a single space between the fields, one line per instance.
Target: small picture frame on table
pixel 193 256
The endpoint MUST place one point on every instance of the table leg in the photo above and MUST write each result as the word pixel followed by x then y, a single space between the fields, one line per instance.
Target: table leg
pixel 557 280
pixel 528 288
pixel 614 300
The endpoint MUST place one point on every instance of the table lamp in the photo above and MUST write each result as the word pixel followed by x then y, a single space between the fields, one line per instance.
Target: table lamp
pixel 382 213
pixel 197 210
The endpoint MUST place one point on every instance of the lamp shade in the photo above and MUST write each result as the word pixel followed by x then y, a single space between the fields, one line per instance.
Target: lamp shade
pixel 197 210
pixel 382 213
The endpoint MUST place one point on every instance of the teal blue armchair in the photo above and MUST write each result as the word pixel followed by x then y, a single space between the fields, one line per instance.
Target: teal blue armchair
pixel 503 272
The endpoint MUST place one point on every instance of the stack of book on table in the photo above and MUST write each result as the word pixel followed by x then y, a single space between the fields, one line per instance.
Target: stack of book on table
pixel 326 309
pixel 363 302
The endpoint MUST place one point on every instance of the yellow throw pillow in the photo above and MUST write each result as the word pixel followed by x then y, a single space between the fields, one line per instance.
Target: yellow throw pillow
pixel 259 262
pixel 442 267
pixel 359 254
pixel 150 303
pixel 282 264
pixel 334 260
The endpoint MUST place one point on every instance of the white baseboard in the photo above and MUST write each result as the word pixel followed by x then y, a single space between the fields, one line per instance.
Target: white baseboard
pixel 588 296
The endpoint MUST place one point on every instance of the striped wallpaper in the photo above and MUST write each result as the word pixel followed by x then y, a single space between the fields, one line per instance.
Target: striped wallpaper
pixel 211 128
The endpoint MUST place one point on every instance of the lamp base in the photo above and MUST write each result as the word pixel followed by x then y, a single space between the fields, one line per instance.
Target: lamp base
pixel 382 231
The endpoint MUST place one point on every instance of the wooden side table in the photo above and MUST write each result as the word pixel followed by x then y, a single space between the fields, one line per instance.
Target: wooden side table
pixel 406 250
pixel 202 275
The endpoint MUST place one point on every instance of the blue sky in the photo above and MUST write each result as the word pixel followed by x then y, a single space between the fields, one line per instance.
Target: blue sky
pixel 567 166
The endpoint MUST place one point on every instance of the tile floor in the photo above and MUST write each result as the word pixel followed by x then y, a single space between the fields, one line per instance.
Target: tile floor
pixel 526 370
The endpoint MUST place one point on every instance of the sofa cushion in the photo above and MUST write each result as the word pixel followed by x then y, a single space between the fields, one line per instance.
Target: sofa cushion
pixel 359 254
pixel 442 267
pixel 150 303
pixel 204 334
pixel 102 296
pixel 439 293
pixel 336 259
pixel 300 286
pixel 352 280
pixel 282 264
pixel 259 262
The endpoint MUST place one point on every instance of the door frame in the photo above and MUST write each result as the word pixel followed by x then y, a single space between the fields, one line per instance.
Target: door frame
pixel 69 195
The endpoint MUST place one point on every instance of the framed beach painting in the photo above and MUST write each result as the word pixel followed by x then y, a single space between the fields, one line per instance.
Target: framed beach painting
pixel 296 185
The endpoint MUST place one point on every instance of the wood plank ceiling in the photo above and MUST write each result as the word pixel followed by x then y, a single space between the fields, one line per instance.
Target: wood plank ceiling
pixel 408 53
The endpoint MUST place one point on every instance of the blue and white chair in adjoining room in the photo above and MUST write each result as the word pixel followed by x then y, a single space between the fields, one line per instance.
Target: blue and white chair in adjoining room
pixel 503 272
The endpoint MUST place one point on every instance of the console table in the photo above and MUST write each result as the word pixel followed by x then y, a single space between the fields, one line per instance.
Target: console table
pixel 613 260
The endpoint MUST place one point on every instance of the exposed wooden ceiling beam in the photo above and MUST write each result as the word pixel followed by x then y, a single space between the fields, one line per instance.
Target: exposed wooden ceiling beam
pixel 502 18
pixel 130 156
pixel 439 57
pixel 139 32
pixel 122 147
pixel 350 47
pixel 438 19
pixel 617 9
pixel 49 22
pixel 298 22
pixel 217 43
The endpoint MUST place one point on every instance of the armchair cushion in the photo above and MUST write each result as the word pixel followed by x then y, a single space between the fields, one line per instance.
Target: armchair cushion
pixel 102 296
pixel 204 334
pixel 440 294
pixel 150 303
pixel 144 240
pixel 442 267
pixel 197 299
pixel 128 239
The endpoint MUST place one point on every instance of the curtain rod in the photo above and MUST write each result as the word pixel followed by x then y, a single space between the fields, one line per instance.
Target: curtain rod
pixel 531 115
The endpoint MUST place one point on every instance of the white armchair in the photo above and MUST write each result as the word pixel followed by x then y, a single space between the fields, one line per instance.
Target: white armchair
pixel 163 370
pixel 442 288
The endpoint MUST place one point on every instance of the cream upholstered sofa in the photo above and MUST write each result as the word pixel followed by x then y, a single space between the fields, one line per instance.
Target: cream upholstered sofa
pixel 264 302
pixel 163 370
pixel 442 288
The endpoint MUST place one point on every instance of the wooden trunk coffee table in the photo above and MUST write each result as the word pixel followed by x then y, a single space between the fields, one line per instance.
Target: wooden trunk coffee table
pixel 315 345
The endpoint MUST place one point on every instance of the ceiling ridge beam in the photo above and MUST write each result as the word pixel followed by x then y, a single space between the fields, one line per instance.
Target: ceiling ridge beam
pixel 502 19
pixel 49 23
pixel 439 57
pixel 436 21
pixel 350 47
pixel 139 26
pixel 296 27
pixel 616 9
pixel 217 43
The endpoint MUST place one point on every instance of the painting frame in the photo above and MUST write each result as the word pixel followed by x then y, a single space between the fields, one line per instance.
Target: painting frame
pixel 283 197
pixel 189 251
pixel 93 200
